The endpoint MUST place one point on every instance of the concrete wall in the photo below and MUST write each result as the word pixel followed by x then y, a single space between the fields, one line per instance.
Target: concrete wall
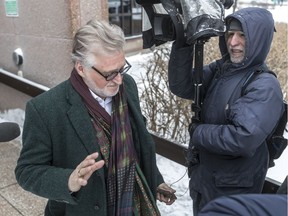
pixel 44 31
pixel 11 98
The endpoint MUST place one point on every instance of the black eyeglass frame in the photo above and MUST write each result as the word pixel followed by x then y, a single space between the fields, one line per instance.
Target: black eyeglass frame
pixel 111 76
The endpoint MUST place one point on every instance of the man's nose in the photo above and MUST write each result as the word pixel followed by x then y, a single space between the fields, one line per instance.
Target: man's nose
pixel 118 79
pixel 235 40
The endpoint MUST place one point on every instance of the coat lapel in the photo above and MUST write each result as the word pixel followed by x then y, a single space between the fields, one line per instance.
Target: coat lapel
pixel 81 121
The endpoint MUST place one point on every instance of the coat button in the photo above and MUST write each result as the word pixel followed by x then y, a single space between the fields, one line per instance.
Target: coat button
pixel 96 207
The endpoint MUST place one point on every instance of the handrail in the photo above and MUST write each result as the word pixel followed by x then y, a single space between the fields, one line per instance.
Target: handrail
pixel 21 84
pixel 164 147
pixel 170 150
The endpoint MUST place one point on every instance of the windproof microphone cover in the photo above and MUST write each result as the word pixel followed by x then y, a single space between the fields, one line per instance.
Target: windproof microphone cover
pixel 9 131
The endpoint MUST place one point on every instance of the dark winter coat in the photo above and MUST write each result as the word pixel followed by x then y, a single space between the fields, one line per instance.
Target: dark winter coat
pixel 247 204
pixel 231 140
pixel 58 134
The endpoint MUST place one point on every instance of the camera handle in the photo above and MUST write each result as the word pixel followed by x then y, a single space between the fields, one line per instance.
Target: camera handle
pixel 170 7
pixel 198 76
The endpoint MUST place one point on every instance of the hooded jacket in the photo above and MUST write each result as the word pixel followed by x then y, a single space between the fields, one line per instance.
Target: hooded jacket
pixel 231 141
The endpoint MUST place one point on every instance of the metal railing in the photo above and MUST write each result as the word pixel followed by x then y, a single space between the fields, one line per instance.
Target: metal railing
pixel 21 84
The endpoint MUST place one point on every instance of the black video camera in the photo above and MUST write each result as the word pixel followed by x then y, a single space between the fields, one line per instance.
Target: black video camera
pixel 182 20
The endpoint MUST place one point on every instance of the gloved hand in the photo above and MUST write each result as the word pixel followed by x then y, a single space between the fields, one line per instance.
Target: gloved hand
pixel 192 127
pixel 193 152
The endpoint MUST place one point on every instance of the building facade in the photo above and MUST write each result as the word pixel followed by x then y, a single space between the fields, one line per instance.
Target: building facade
pixel 36 38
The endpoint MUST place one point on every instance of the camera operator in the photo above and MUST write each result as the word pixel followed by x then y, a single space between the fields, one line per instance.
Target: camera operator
pixel 227 148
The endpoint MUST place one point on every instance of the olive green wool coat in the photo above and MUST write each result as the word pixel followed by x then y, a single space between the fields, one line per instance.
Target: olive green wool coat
pixel 58 135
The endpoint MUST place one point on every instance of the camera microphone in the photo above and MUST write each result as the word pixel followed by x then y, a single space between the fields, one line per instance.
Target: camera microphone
pixel 9 131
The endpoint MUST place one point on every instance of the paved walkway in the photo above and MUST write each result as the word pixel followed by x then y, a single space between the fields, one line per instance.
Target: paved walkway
pixel 14 201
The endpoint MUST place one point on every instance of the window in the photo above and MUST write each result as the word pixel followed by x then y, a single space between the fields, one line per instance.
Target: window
pixel 127 15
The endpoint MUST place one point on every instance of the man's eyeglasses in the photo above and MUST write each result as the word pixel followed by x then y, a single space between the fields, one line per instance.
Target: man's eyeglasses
pixel 112 75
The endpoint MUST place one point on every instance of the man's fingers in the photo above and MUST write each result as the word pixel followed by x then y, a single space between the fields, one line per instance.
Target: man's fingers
pixel 83 172
pixel 169 200
pixel 88 161
pixel 79 173
pixel 92 156
pixel 87 171
pixel 166 194
pixel 165 189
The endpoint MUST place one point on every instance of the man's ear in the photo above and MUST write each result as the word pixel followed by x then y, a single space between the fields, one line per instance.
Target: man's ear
pixel 79 68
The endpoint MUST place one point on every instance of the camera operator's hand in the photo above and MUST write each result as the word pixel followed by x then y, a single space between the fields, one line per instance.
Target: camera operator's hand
pixel 192 128
pixel 192 152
